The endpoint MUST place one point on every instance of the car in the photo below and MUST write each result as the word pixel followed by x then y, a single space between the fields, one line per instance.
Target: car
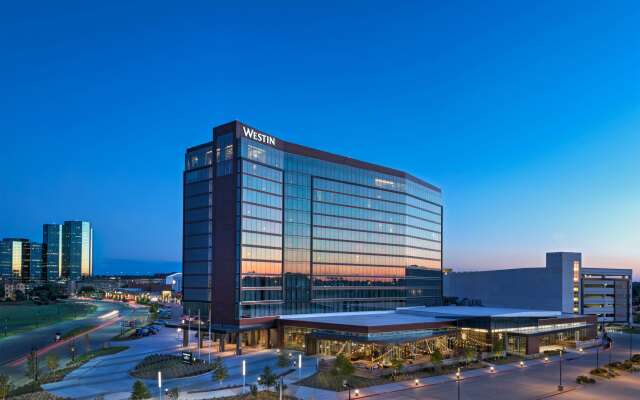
pixel 142 332
pixel 153 329
pixel 159 322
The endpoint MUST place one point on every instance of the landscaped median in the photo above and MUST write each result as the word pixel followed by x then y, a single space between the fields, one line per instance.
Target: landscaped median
pixel 334 380
pixel 51 377
pixel 171 367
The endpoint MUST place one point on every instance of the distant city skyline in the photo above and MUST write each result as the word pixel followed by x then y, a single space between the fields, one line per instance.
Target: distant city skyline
pixel 531 132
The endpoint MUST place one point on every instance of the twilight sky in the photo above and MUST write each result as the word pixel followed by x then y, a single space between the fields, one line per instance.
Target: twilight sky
pixel 526 114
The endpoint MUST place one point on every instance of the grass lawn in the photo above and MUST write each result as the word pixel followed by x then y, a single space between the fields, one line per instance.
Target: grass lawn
pixel 20 318
pixel 509 358
pixel 33 387
pixel 635 329
pixel 77 330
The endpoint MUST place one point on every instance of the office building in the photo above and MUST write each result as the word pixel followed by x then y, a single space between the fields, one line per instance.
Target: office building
pixel 274 228
pixel 77 250
pixel 20 260
pixel 563 285
pixel 52 252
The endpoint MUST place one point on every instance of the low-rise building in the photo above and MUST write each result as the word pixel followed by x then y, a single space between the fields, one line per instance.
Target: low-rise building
pixel 562 285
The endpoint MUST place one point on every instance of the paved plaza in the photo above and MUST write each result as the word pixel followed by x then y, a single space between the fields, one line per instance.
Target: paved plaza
pixel 109 377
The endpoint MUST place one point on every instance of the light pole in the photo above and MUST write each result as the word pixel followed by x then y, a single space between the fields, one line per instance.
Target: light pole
pixel 73 350
pixel 630 343
pixel 209 334
pixel 160 385
pixel 34 349
pixel 300 366
pixel 610 350
pixel 598 356
pixel 560 388
pixel 244 373
pixel 348 386
pixel 199 334
pixel 37 318
pixel 458 377
pixel 5 326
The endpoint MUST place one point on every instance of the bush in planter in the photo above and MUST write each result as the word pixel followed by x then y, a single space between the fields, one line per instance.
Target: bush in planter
pixel 583 380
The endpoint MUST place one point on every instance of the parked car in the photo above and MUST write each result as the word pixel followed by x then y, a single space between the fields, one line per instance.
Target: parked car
pixel 159 322
pixel 142 332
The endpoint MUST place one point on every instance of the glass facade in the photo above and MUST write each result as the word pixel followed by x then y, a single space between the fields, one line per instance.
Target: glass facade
pixel 335 237
pixel 197 227
pixel 20 259
pixel 311 235
pixel 77 250
pixel 52 252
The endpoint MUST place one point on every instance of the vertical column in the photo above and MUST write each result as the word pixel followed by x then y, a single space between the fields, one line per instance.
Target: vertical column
pixel 222 340
pixel 268 340
pixel 239 344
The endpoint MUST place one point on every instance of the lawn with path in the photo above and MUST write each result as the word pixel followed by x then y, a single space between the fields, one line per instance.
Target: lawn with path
pixel 23 317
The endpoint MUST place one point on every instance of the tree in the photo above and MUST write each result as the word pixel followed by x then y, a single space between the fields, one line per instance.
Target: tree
pixel 498 347
pixel 53 362
pixel 283 361
pixel 174 393
pixel 396 364
pixel 436 357
pixel 140 391
pixel 268 378
pixel 6 386
pixel 19 294
pixel 343 365
pixel 220 371
pixel 32 366
pixel 468 352
pixel 87 290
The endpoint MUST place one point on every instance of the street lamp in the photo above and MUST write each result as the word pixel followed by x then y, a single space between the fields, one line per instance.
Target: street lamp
pixel 244 372
pixel 160 384
pixel 348 386
pixel 560 388
pixel 458 378
pixel 300 366
pixel 34 349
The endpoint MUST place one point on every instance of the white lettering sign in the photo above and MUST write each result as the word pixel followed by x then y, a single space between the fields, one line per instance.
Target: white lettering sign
pixel 258 137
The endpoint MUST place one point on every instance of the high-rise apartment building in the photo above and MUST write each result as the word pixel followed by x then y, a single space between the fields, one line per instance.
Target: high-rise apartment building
pixel 52 252
pixel 274 228
pixel 77 250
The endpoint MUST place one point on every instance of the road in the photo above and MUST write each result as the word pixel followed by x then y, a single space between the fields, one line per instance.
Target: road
pixel 14 349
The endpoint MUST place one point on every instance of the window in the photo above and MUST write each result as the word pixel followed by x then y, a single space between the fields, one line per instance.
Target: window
pixel 224 154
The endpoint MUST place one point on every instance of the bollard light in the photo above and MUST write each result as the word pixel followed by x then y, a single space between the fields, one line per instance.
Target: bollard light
pixel 417 381
pixel 357 392
pixel 580 350
pixel 521 363
pixel 492 368
pixel 546 359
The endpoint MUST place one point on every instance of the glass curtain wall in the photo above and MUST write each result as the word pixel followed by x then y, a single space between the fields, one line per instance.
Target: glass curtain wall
pixel 198 239
pixel 354 240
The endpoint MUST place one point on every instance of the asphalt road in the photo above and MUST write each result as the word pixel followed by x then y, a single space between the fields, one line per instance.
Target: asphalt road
pixel 14 349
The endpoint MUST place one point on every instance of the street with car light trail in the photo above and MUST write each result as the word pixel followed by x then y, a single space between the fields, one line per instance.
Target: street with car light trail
pixel 14 350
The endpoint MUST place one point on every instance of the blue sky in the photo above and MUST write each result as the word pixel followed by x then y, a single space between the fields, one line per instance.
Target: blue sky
pixel 526 114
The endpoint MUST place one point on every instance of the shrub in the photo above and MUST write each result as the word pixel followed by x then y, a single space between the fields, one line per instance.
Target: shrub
pixel 343 366
pixel 583 380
